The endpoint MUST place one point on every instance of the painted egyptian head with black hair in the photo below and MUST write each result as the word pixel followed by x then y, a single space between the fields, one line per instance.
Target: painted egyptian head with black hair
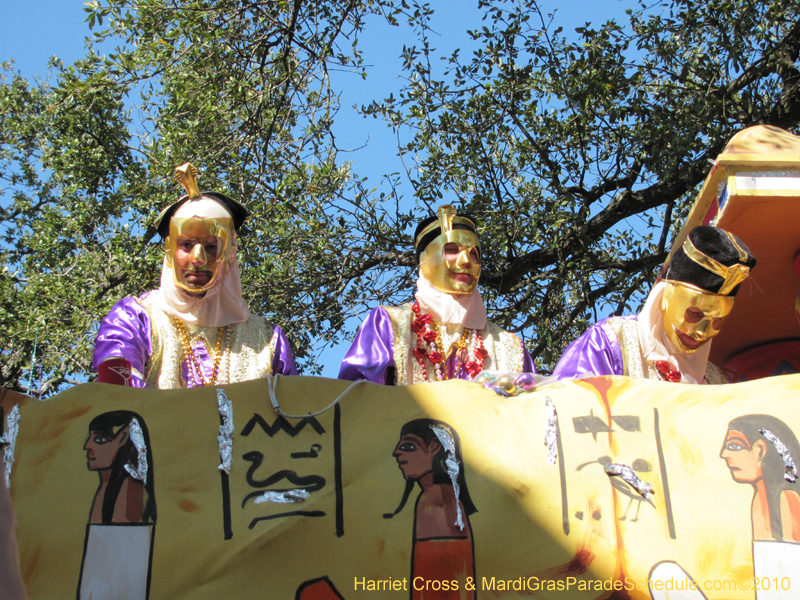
pixel 421 456
pixel 760 450
pixel 126 491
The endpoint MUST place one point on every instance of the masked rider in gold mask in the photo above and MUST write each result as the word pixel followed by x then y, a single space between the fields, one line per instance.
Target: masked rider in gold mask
pixel 444 333
pixel 195 329
pixel 671 338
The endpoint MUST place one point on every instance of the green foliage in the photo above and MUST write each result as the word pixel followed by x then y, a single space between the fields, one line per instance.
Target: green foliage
pixel 239 88
pixel 581 153
pixel 63 247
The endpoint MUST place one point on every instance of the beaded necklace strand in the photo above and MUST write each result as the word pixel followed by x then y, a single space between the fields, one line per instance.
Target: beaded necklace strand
pixel 189 354
pixel 665 372
pixel 429 347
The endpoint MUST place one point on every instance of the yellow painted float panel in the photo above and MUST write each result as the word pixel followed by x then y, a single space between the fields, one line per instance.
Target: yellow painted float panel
pixel 564 529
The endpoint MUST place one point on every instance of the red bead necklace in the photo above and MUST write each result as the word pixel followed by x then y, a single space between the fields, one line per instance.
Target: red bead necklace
pixel 666 372
pixel 429 347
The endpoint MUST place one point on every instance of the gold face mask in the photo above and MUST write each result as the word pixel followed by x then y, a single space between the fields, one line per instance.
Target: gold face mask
pixel 452 262
pixel 199 251
pixel 692 316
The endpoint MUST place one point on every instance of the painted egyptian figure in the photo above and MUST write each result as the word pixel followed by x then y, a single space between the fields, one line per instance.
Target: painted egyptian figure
pixel 761 450
pixel 119 539
pixel 429 455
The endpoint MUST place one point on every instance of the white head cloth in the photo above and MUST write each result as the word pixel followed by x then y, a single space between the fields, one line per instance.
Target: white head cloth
pixel 656 345
pixel 467 311
pixel 221 305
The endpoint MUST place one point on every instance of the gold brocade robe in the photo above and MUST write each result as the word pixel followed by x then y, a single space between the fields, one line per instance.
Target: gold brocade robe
pixel 248 354
pixel 505 349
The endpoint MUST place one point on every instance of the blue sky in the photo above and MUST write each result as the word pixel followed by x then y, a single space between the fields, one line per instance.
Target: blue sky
pixel 33 31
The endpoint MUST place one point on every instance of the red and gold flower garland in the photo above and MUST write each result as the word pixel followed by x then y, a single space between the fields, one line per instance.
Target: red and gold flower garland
pixel 429 346
pixel 666 372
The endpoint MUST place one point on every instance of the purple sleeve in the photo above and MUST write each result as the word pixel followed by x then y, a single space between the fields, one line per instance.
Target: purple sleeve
pixel 125 332
pixel 283 359
pixel 372 352
pixel 594 353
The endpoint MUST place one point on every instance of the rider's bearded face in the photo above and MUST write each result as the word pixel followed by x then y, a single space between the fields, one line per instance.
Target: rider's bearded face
pixel 199 251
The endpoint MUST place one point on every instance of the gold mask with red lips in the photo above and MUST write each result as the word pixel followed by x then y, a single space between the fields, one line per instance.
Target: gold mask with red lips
pixel 451 262
pixel 692 316
pixel 201 244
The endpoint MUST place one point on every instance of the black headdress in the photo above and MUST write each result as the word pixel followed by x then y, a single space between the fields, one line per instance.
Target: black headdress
pixel 446 219
pixel 186 175
pixel 713 260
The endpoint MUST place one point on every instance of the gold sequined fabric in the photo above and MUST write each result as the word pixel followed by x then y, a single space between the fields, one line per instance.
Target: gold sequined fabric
pixel 504 348
pixel 626 331
pixel 251 348
pixel 714 375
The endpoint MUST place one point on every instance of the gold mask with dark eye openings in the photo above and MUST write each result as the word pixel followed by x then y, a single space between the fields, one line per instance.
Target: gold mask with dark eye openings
pixel 452 262
pixel 199 251
pixel 692 316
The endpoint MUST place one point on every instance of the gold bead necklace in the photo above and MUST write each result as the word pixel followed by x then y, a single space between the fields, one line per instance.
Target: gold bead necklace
pixel 188 351
pixel 456 345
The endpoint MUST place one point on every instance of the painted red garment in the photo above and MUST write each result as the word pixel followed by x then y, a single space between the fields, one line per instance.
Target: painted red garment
pixel 444 560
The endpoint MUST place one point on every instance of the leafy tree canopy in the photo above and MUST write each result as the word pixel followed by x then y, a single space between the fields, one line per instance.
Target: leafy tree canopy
pixel 241 89
pixel 582 153
pixel 579 153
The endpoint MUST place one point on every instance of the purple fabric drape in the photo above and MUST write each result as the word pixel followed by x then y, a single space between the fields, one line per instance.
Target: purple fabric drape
pixel 127 332
pixel 594 353
pixel 527 361
pixel 283 359
pixel 372 351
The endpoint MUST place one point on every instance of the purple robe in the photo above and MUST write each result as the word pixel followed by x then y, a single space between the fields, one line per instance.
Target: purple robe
pixel 596 352
pixel 127 332
pixel 371 356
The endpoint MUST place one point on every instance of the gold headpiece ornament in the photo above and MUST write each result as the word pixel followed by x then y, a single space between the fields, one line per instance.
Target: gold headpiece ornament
pixel 186 175
pixel 733 275
pixel 445 215
pixel 447 219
